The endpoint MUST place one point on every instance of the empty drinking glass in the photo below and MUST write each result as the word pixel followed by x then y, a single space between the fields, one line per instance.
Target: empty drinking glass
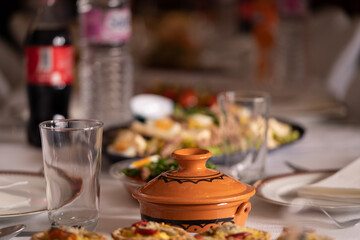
pixel 72 159
pixel 244 122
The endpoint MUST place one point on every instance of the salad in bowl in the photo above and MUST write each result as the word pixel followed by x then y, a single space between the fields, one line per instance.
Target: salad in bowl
pixel 134 174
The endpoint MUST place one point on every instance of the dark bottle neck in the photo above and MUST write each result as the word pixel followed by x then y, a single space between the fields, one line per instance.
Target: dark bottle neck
pixel 50 26
pixel 52 13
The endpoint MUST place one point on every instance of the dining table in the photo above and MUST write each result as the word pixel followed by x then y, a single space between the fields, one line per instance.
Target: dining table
pixel 326 144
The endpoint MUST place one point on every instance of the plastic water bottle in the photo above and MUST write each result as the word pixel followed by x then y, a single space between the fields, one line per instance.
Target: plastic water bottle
pixel 292 42
pixel 105 66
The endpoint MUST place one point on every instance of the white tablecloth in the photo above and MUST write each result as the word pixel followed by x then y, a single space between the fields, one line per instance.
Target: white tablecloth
pixel 324 144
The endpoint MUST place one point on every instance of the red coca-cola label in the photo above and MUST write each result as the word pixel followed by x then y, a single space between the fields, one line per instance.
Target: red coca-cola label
pixel 49 65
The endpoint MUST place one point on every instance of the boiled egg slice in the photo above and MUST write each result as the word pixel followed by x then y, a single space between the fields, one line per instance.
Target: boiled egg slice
pixel 144 161
pixel 199 120
pixel 164 126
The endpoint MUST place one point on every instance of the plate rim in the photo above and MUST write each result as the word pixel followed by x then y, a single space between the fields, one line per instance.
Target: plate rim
pixel 262 182
pixel 23 173
pixel 114 173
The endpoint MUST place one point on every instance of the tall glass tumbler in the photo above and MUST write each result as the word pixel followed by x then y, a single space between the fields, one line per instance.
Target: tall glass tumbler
pixel 244 123
pixel 72 160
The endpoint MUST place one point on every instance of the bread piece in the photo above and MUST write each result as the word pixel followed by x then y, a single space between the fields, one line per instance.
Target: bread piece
pixel 68 233
pixel 230 231
pixel 300 234
pixel 150 231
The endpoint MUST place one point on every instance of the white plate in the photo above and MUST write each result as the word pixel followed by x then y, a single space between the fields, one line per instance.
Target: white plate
pixel 35 190
pixel 282 190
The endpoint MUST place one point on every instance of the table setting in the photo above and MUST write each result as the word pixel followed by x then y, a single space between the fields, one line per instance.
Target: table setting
pixel 277 203
pixel 201 153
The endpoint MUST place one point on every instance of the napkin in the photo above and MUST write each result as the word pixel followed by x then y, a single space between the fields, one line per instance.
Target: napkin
pixel 344 185
pixel 10 201
pixel 341 74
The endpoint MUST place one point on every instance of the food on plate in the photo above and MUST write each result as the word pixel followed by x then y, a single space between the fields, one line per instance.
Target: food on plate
pixel 148 168
pixel 198 126
pixel 162 136
pixel 150 230
pixel 196 130
pixel 163 128
pixel 241 130
pixel 292 233
pixel 128 143
pixel 199 120
pixel 67 233
pixel 280 133
pixel 188 98
pixel 230 231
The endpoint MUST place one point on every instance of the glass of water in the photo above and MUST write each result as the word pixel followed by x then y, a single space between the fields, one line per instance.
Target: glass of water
pixel 72 159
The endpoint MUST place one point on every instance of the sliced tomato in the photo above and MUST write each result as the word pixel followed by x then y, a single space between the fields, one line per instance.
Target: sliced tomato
pixel 146 231
pixel 239 236
pixel 188 98
pixel 141 223
pixel 56 233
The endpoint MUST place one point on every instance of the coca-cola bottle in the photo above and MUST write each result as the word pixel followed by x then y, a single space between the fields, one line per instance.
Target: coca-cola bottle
pixel 49 66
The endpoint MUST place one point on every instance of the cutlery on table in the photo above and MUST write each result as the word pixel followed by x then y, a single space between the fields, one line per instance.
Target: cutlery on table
pixel 300 203
pixel 343 224
pixel 10 232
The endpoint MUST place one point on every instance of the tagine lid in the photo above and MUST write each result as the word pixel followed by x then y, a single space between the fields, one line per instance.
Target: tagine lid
pixel 193 182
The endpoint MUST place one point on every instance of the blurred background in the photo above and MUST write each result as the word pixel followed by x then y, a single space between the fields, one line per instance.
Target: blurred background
pixel 304 52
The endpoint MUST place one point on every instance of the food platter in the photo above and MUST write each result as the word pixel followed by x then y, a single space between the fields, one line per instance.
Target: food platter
pixel 111 133
pixel 163 123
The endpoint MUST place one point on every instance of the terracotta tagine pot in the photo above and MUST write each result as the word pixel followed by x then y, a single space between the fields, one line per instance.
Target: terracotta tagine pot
pixel 194 197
